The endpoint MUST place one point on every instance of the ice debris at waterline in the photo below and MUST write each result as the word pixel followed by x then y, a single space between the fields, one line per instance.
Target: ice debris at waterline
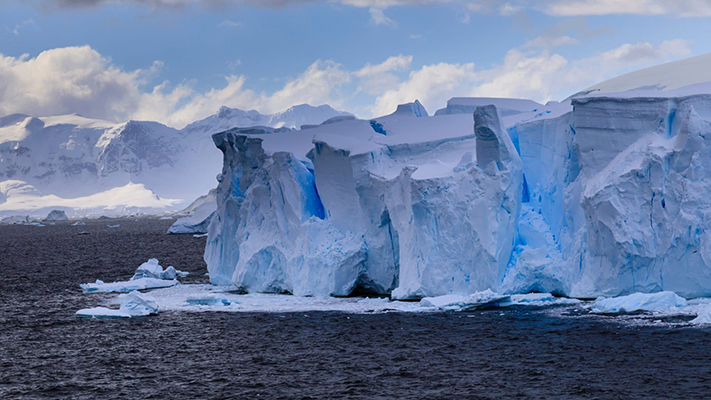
pixel 149 275
pixel 152 269
pixel 639 302
pixel 132 305
pixel 605 195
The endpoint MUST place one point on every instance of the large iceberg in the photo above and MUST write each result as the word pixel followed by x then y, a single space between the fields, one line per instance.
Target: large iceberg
pixel 607 194
pixel 405 204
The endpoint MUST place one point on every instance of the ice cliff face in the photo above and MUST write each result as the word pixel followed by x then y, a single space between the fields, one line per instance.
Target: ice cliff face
pixel 392 204
pixel 606 195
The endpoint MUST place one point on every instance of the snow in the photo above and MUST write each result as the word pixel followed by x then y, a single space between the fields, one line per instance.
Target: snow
pixel 663 77
pixel 71 158
pixel 132 305
pixel 133 197
pixel 639 302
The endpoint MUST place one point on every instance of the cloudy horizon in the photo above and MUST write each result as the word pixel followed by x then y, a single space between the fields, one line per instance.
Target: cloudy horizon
pixel 144 60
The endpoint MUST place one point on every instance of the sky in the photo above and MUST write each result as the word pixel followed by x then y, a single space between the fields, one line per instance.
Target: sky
pixel 177 61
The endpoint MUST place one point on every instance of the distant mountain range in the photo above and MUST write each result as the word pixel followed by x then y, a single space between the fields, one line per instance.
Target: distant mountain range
pixel 62 161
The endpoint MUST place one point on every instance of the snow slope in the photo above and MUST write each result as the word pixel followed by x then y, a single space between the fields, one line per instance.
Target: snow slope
pixel 72 156
pixel 669 76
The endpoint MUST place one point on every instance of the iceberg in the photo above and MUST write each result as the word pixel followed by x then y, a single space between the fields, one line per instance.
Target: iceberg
pixel 127 286
pixel 405 204
pixel 605 194
pixel 132 305
pixel 197 222
pixel 149 275
pixel 56 215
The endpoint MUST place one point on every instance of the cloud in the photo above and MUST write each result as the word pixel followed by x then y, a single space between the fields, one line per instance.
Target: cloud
pixel 67 80
pixel 377 17
pixel 24 24
pixel 682 8
pixel 541 77
pixel 376 79
pixel 548 42
pixel 229 24
pixel 80 80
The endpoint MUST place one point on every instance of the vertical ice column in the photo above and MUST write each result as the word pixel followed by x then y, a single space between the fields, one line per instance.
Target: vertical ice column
pixel 457 230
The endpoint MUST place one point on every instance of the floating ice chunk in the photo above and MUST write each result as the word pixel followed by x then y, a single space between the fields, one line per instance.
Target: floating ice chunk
pixel 151 269
pixel 639 302
pixel 114 226
pixel 704 317
pixel 446 301
pixel 149 275
pixel 79 223
pixel 128 286
pixel 57 215
pixel 200 236
pixel 483 299
pixel 208 300
pixel 196 223
pixel 133 305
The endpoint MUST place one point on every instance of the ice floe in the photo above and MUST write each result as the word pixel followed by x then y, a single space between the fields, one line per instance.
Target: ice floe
pixel 639 302
pixel 149 275
pixel 132 305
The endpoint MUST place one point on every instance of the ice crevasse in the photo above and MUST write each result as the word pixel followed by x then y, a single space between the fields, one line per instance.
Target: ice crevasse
pixel 604 195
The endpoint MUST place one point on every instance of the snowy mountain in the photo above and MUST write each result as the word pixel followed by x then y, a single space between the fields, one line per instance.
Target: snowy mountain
pixel 70 157
pixel 606 195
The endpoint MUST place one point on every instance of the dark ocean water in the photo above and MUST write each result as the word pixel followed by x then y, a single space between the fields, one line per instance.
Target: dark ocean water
pixel 47 352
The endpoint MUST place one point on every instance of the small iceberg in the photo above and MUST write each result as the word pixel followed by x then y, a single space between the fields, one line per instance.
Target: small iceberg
pixel 79 223
pixel 132 305
pixel 638 302
pixel 476 301
pixel 208 300
pixel 149 275
pixel 56 215
pixel 152 269
pixel 113 226
pixel 703 318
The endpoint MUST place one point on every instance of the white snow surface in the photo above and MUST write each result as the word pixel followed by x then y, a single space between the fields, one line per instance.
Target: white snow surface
pixel 132 305
pixel 669 76
pixel 63 161
pixel 149 275
pixel 197 222
pixel 639 302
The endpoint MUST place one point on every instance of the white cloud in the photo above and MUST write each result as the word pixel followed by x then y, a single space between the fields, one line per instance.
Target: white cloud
pixel 24 24
pixel 377 17
pixel 229 24
pixel 80 80
pixel 67 80
pixel 541 77
pixel 548 42
pixel 376 79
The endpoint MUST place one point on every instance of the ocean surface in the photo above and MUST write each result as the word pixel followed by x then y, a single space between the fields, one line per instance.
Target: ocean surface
pixel 520 352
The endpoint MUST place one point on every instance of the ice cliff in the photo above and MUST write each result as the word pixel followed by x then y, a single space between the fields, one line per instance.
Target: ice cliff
pixel 608 194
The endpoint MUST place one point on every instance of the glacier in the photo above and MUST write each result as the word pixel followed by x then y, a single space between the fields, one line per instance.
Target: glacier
pixel 605 194
pixel 89 166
